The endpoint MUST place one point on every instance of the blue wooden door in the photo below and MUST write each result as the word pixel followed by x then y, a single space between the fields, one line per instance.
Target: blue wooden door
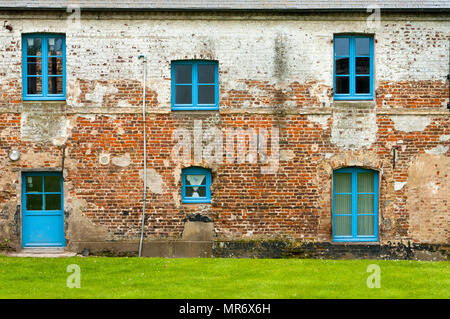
pixel 42 210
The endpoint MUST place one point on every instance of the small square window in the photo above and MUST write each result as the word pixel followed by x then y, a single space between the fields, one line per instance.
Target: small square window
pixel 196 185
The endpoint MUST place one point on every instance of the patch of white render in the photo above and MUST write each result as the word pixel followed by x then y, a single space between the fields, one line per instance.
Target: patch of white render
pixel 410 123
pixel 353 132
pixel 155 181
pixel 122 161
pixel 320 119
pixel 433 187
pixel 440 149
pixel 41 127
pixel 399 185
pixel 99 92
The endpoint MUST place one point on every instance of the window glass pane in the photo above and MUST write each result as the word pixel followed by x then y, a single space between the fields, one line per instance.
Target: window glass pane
pixel 55 46
pixel 52 184
pixel 33 184
pixel 362 65
pixel 34 66
pixel 206 94
pixel 199 191
pixel 343 204
pixel 52 202
pixel 183 94
pixel 362 84
pixel 34 46
pixel 206 73
pixel 365 225
pixel 343 225
pixel 55 85
pixel 365 182
pixel 342 85
pixel 342 66
pixel 341 46
pixel 55 66
pixel 183 74
pixel 362 46
pixel 34 85
pixel 34 202
pixel 343 183
pixel 195 179
pixel 365 204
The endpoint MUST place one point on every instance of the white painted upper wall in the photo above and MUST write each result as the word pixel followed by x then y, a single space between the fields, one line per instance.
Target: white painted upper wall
pixel 405 49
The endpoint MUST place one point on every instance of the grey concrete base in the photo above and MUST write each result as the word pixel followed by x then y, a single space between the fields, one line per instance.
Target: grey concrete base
pixel 42 252
pixel 198 231
pixel 155 248
pixel 249 249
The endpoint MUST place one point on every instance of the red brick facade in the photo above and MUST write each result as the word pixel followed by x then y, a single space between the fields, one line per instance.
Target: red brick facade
pixel 103 202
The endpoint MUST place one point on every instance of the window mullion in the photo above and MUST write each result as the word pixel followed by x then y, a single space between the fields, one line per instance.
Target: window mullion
pixel 44 43
pixel 43 193
pixel 352 62
pixel 194 85
pixel 354 204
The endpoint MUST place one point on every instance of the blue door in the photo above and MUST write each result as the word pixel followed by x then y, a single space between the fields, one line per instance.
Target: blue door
pixel 42 210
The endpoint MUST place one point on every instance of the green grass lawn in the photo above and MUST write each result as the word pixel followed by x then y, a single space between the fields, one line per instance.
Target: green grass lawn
pixel 105 277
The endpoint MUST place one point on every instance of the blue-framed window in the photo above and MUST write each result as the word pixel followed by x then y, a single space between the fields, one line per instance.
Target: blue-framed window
pixel 353 67
pixel 195 85
pixel 196 185
pixel 44 67
pixel 355 205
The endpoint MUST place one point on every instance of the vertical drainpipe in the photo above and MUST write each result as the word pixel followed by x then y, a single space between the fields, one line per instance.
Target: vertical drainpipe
pixel 448 76
pixel 145 152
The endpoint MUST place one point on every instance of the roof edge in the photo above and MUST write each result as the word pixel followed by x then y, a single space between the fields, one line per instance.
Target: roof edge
pixel 203 9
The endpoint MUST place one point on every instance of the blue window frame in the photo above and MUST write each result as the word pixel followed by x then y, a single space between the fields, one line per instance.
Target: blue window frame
pixel 196 185
pixel 355 205
pixel 195 85
pixel 44 67
pixel 353 67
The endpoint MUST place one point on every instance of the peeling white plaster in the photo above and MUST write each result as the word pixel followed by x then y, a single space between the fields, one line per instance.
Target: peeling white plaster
pixel 58 141
pixel 154 181
pixel 123 103
pixel 440 149
pixel 320 119
pixel 433 187
pixel 444 138
pixel 410 123
pixel 99 92
pixel 286 155
pixel 399 185
pixel 122 161
pixel 90 117
pixel 43 127
pixel 353 131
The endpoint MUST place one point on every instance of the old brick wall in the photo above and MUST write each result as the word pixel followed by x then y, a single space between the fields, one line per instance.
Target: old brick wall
pixel 274 71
